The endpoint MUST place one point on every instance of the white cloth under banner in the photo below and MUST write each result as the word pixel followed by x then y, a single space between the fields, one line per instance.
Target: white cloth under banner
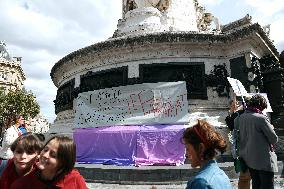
pixel 147 103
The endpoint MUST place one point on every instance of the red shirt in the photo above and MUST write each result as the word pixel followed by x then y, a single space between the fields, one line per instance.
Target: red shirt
pixel 9 175
pixel 72 180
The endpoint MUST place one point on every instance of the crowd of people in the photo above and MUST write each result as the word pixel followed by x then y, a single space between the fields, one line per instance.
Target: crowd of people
pixel 28 161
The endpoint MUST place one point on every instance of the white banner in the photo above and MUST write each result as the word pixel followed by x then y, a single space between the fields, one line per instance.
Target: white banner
pixel 238 87
pixel 148 103
pixel 240 90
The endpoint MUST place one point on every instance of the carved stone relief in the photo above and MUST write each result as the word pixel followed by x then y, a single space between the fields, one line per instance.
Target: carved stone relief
pixel 204 19
pixel 161 5
pixel 130 5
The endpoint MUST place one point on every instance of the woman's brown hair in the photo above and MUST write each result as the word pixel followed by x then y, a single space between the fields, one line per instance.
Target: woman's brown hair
pixel 66 153
pixel 257 101
pixel 204 133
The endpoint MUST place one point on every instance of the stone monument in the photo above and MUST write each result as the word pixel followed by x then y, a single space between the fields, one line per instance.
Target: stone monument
pixel 141 17
pixel 165 41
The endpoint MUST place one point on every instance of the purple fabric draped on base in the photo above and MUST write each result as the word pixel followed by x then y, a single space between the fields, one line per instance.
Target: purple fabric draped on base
pixel 106 145
pixel 160 145
pixel 129 145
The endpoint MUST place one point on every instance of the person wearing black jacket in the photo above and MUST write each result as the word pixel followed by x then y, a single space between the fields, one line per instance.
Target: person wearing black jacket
pixel 235 111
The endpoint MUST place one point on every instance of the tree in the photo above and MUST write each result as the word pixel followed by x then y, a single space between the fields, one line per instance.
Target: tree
pixel 18 102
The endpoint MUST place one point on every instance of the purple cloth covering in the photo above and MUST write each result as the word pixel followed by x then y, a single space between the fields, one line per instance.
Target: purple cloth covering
pixel 160 145
pixel 106 145
pixel 129 145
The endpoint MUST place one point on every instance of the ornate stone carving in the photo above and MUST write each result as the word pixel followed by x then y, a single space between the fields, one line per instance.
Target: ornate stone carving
pixel 257 81
pixel 130 5
pixel 204 19
pixel 161 5
pixel 151 16
pixel 3 51
pixel 218 80
pixel 146 3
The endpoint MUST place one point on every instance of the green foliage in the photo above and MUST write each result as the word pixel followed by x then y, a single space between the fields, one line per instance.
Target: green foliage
pixel 18 102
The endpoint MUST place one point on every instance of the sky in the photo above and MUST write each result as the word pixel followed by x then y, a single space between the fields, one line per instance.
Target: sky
pixel 43 32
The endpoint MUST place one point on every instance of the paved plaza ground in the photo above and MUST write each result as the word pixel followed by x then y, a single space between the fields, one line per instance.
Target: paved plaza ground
pixel 130 184
pixel 279 182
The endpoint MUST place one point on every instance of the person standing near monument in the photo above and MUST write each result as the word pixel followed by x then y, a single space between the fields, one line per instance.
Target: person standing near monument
pixel 10 135
pixel 202 143
pixel 257 137
pixel 235 111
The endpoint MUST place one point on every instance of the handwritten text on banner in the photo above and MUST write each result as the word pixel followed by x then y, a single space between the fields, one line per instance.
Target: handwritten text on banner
pixel 148 103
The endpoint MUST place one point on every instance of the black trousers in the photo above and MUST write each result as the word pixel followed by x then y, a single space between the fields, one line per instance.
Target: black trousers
pixel 262 179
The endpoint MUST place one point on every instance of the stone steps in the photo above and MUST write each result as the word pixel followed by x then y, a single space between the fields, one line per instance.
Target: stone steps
pixel 147 175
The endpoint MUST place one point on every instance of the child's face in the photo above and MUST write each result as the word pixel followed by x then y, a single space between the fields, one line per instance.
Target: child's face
pixel 24 160
pixel 48 161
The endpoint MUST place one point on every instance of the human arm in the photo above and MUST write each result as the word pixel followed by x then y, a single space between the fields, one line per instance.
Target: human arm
pixel 10 136
pixel 268 130
pixel 27 127
pixel 80 183
pixel 199 183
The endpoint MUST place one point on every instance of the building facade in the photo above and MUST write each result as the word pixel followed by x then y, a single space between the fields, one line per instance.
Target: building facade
pixel 12 77
pixel 11 73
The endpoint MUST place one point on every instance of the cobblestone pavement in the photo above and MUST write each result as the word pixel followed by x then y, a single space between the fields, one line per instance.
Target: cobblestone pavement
pixel 279 184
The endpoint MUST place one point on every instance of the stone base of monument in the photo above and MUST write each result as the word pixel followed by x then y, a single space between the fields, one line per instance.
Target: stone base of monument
pixel 144 174
pixel 100 173
pixel 150 174
pixel 163 175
